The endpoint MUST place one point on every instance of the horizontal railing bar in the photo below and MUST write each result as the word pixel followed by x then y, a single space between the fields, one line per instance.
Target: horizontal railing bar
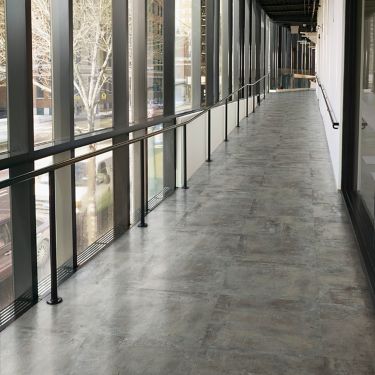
pixel 335 123
pixel 30 175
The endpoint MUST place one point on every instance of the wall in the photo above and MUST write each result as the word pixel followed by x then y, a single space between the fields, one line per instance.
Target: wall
pixel 330 69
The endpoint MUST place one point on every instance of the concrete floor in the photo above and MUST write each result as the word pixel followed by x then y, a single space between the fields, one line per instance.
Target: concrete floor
pixel 254 270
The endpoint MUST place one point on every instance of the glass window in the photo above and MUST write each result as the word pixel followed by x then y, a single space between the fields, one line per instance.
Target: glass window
pixel 42 219
pixel 183 55
pixel 94 196
pixel 203 53
pixel 130 54
pixel 6 261
pixel 3 81
pixel 92 49
pixel 155 57
pixel 42 70
pixel 155 163
pixel 366 178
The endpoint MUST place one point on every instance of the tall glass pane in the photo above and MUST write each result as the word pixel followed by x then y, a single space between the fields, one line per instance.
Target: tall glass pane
pixel 3 81
pixel 130 55
pixel 155 163
pixel 92 48
pixel 366 177
pixel 203 52
pixel 94 196
pixel 155 51
pixel 42 219
pixel 183 55
pixel 42 70
pixel 6 261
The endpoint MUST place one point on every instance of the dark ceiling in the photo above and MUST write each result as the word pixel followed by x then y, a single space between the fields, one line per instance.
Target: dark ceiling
pixel 292 12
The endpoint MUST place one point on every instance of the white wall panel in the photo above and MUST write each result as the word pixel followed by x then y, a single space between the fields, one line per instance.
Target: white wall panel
pixel 330 69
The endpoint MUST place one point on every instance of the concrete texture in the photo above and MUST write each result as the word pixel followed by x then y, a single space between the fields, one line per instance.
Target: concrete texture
pixel 253 270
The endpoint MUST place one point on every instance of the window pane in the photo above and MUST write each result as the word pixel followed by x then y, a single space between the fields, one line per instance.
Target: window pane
pixel 94 196
pixel 155 163
pixel 42 70
pixel 366 176
pixel 203 53
pixel 3 81
pixel 183 55
pixel 42 219
pixel 6 261
pixel 92 48
pixel 155 50
pixel 130 54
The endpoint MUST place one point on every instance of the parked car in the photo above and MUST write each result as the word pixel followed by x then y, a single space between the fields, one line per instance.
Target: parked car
pixel 42 230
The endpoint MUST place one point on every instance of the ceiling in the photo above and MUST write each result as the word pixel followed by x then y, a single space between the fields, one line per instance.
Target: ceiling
pixel 292 12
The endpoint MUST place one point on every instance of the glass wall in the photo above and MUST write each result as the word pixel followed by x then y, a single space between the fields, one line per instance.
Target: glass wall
pixel 3 81
pixel 155 51
pixel 203 51
pixel 92 63
pixel 94 196
pixel 42 70
pixel 183 55
pixel 6 248
pixel 155 163
pixel 366 175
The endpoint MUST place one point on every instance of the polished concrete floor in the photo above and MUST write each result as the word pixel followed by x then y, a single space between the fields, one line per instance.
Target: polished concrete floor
pixel 254 270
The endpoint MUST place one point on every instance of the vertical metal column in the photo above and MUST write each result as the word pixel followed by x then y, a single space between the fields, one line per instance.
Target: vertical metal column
pixel 252 89
pixel 247 101
pixel 238 108
pixel 185 159
pixel 226 120
pixel 143 224
pixel 55 299
pixel 209 137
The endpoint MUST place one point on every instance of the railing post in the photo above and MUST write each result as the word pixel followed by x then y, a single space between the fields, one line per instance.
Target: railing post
pixel 143 224
pixel 226 120
pixel 185 159
pixel 247 100
pixel 238 109
pixel 55 299
pixel 209 137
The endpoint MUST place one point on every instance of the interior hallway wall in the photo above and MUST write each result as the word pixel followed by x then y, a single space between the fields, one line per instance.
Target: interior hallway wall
pixel 330 70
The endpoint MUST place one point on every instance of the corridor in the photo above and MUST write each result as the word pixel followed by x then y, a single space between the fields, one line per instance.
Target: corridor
pixel 253 270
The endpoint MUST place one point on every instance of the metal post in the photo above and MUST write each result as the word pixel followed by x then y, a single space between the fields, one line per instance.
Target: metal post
pixel 226 120
pixel 55 299
pixel 209 137
pixel 247 101
pixel 238 109
pixel 185 159
pixel 143 224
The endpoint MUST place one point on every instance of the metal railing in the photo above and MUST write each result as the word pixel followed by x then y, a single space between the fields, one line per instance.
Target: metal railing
pixel 50 170
pixel 335 123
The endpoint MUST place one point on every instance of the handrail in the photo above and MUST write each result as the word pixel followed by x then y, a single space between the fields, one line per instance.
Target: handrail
pixel 51 168
pixel 335 123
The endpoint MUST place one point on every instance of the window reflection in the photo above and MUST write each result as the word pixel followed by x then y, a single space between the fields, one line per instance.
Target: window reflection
pixel 92 48
pixel 155 163
pixel 183 55
pixel 366 178
pixel 94 196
